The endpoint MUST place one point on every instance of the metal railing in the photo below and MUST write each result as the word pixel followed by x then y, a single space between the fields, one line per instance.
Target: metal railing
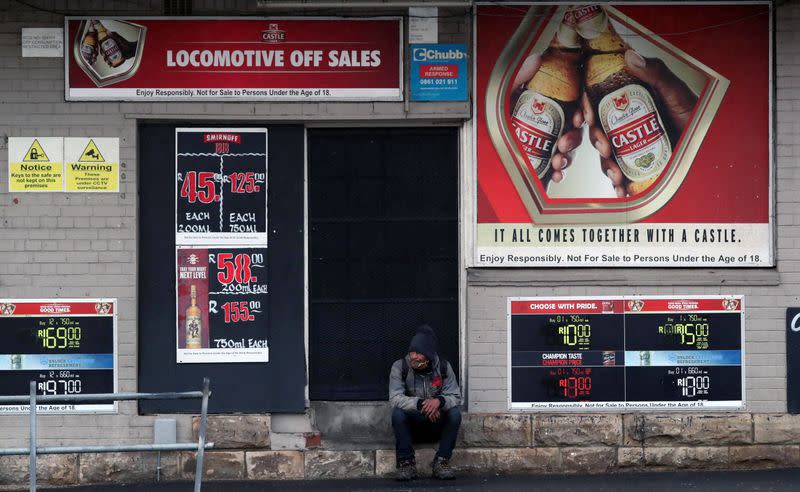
pixel 34 450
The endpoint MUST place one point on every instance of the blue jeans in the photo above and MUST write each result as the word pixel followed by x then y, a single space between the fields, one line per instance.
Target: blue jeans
pixel 412 426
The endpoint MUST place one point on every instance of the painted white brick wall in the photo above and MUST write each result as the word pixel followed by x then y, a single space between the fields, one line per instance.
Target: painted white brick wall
pixel 73 245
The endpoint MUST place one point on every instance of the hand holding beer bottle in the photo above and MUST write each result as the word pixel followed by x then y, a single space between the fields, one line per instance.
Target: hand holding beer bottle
pixel 677 101
pixel 114 48
pixel 544 106
pixel 635 108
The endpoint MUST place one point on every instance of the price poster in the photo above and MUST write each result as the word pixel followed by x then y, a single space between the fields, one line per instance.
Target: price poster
pixel 66 346
pixel 571 353
pixel 221 186
pixel 221 301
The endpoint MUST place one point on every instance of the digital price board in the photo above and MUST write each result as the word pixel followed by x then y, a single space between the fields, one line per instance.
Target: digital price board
pixel 221 186
pixel 626 353
pixel 66 346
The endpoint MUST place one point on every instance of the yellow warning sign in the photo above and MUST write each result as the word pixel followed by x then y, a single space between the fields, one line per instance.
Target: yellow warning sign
pixel 92 177
pixel 32 168
pixel 91 153
pixel 87 168
pixel 36 153
pixel 36 176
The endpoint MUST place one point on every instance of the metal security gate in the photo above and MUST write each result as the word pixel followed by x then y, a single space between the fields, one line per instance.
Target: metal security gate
pixel 383 241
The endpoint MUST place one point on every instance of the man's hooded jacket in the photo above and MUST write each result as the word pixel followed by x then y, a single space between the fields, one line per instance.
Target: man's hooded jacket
pixel 435 381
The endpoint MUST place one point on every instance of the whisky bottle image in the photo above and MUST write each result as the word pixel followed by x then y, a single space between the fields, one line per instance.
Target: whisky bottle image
pixel 194 323
pixel 108 46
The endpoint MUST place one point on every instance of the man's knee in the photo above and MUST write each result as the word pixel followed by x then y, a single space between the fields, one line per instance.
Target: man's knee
pixel 399 417
pixel 453 416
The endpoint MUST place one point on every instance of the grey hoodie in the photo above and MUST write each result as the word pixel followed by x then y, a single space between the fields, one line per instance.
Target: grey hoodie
pixel 405 395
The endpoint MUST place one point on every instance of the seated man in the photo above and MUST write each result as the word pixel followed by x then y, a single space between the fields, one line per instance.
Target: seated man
pixel 425 399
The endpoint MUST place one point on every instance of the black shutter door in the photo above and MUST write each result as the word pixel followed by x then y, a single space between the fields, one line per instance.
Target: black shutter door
pixel 383 240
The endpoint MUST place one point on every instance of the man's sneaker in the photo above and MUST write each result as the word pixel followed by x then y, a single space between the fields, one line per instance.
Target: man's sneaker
pixel 442 470
pixel 406 470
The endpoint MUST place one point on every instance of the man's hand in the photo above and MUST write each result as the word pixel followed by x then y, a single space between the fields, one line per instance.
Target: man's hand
pixel 571 136
pixel 678 100
pixel 430 409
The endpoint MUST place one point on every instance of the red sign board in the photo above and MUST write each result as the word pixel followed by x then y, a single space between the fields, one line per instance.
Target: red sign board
pixel 605 135
pixel 309 59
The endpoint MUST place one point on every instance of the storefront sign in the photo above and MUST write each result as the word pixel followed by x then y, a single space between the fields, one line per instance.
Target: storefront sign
pixel 308 59
pixel 438 72
pixel 628 353
pixel 221 302
pixel 221 186
pixel 604 135
pixel 67 346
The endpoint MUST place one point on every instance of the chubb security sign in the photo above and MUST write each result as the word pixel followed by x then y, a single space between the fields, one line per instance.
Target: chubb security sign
pixel 426 53
pixel 438 72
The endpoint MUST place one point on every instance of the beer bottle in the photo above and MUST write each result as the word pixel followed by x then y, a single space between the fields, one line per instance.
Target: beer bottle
pixel 194 323
pixel 109 46
pixel 89 46
pixel 625 105
pixel 549 98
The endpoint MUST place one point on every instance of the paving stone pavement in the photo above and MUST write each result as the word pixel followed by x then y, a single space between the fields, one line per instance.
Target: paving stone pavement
pixel 760 480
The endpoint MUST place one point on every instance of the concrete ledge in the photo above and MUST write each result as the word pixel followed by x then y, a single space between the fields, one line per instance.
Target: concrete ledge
pixel 704 457
pixel 235 431
pixel 339 464
pixel 630 457
pixel 495 430
pixel 274 465
pixel 51 469
pixel 680 430
pixel 480 460
pixel 765 456
pixel 217 465
pixel 578 430
pixel 776 429
pixel 126 467
pixel 588 460
pixel 354 425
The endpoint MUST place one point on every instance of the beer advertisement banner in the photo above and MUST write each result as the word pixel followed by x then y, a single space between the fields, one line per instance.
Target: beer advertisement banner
pixel 623 135
pixel 221 302
pixel 234 59
pixel 65 346
pixel 221 186
pixel 628 352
